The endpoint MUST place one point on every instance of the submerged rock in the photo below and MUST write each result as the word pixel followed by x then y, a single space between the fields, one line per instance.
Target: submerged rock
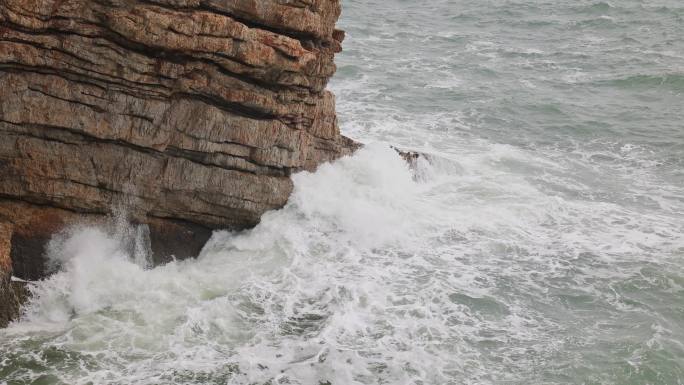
pixel 190 114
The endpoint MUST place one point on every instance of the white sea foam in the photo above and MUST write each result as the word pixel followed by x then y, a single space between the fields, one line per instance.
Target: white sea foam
pixel 368 273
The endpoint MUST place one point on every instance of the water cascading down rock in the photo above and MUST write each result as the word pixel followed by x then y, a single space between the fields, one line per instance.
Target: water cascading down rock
pixel 190 114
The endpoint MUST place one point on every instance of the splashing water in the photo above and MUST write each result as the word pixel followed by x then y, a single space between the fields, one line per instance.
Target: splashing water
pixel 366 275
pixel 542 243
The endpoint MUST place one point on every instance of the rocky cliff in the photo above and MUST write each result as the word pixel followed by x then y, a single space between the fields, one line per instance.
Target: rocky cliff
pixel 190 114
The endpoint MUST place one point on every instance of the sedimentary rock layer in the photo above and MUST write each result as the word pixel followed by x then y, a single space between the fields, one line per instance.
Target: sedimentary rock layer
pixel 190 114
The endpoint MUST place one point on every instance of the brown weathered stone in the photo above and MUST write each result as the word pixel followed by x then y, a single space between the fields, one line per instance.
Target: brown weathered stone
pixel 191 114
pixel 9 295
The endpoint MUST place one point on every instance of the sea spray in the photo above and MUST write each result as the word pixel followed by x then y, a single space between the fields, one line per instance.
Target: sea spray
pixel 368 272
pixel 243 293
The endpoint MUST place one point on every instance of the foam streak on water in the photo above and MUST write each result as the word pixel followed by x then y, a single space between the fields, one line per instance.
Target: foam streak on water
pixel 542 243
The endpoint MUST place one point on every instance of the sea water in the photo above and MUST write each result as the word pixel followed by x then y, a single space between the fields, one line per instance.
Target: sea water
pixel 541 241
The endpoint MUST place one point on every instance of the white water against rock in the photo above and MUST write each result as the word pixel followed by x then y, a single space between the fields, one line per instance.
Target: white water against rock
pixel 541 242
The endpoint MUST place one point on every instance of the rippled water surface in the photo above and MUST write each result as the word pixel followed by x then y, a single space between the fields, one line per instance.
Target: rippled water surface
pixel 542 243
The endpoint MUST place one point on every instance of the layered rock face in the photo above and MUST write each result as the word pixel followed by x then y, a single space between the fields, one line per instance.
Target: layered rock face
pixel 190 114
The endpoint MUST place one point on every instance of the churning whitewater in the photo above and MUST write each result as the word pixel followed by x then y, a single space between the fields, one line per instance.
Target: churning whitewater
pixel 541 241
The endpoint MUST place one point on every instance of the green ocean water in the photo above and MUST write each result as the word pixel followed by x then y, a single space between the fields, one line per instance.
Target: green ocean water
pixel 541 241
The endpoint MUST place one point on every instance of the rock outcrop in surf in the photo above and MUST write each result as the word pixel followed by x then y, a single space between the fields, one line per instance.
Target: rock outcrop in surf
pixel 190 114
